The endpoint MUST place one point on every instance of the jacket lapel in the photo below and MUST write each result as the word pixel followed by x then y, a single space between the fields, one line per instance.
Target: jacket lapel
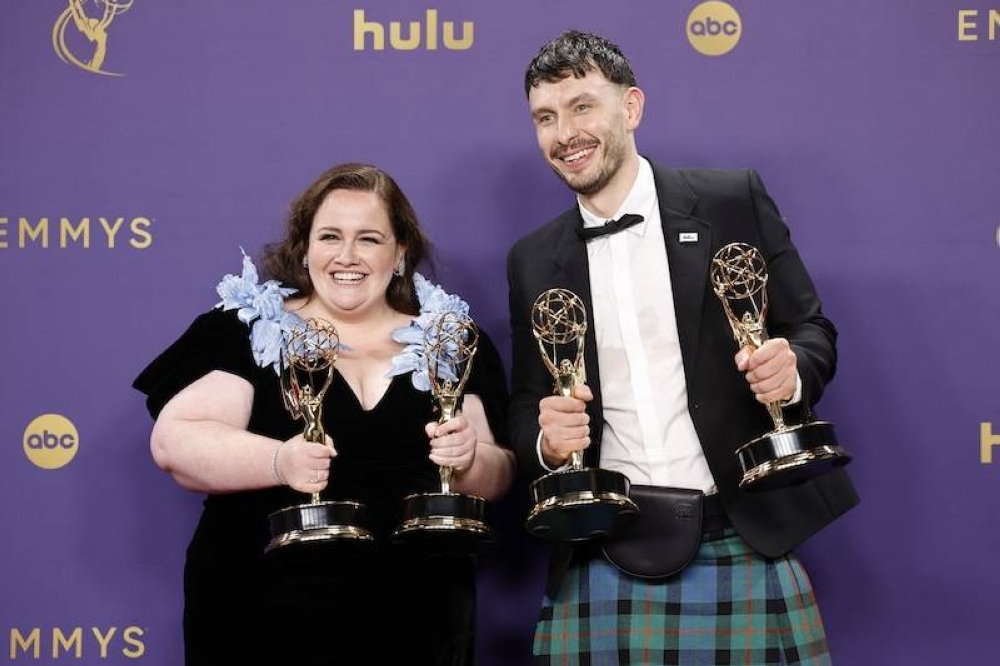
pixel 688 244
pixel 573 273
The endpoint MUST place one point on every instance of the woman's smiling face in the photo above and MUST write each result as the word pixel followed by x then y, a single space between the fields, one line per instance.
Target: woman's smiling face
pixel 352 253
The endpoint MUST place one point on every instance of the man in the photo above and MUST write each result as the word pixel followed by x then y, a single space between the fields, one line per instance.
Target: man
pixel 669 398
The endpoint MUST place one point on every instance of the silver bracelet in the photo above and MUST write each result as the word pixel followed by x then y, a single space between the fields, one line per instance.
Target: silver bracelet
pixel 274 465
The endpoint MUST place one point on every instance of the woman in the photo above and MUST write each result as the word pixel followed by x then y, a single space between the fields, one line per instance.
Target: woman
pixel 351 248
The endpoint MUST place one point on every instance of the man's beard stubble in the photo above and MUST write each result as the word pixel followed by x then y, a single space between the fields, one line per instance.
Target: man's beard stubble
pixel 614 157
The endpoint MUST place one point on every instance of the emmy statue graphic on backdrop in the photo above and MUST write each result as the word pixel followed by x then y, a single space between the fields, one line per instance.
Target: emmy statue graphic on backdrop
pixel 576 503
pixel 95 30
pixel 311 352
pixel 788 454
pixel 446 522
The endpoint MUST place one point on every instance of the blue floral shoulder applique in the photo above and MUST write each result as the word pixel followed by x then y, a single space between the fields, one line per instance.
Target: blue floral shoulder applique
pixel 261 306
pixel 434 301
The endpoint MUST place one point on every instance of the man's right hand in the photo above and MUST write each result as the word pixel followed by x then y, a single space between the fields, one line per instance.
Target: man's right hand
pixel 565 425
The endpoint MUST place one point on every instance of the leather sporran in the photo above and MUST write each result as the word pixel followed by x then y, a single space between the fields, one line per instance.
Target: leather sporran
pixel 664 539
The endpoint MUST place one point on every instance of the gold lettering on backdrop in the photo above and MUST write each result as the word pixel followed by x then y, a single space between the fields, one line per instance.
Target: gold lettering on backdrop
pixel 396 36
pixel 93 29
pixel 432 29
pixel 66 228
pixel 968 24
pixel 77 232
pixel 462 44
pixel 111 230
pixel 79 642
pixel 133 636
pixel 139 226
pixel 103 640
pixel 24 228
pixel 414 36
pixel 74 640
pixel 362 28
pixel 33 642
pixel 987 440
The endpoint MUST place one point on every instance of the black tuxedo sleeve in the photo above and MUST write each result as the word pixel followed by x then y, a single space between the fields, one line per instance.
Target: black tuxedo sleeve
pixel 794 307
pixel 530 381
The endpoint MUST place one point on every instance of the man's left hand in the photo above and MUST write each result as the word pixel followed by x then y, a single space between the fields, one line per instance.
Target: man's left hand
pixel 770 371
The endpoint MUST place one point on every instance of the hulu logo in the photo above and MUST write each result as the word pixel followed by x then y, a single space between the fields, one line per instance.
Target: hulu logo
pixel 417 35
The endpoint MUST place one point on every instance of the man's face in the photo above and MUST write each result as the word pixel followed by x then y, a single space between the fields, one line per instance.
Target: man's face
pixel 583 128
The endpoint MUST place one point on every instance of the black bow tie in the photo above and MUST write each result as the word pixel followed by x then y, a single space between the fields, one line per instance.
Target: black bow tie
pixel 609 227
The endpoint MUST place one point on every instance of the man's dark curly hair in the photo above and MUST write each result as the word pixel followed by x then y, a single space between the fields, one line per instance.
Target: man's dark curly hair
pixel 577 53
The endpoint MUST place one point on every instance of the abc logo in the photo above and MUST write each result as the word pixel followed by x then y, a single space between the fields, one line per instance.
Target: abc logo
pixel 51 441
pixel 714 28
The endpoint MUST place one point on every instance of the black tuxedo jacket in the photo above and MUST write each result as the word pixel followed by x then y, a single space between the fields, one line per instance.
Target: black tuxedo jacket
pixel 720 207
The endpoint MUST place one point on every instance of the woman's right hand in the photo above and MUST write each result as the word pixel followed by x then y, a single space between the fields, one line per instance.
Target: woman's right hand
pixel 305 465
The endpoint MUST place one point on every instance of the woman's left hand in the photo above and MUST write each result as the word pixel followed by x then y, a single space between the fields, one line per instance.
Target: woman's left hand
pixel 453 443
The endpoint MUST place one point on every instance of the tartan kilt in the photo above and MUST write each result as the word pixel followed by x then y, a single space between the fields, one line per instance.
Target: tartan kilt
pixel 731 605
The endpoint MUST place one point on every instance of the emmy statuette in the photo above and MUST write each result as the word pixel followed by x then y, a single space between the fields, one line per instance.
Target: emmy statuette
pixel 311 352
pixel 788 454
pixel 446 522
pixel 576 503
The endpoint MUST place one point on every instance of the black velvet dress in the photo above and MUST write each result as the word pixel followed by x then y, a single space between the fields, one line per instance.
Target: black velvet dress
pixel 315 606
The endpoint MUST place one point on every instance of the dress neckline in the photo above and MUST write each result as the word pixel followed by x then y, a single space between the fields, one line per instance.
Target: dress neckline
pixel 338 376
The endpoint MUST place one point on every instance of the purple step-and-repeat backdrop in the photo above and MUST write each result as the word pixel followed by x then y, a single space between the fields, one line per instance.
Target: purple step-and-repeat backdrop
pixel 142 143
